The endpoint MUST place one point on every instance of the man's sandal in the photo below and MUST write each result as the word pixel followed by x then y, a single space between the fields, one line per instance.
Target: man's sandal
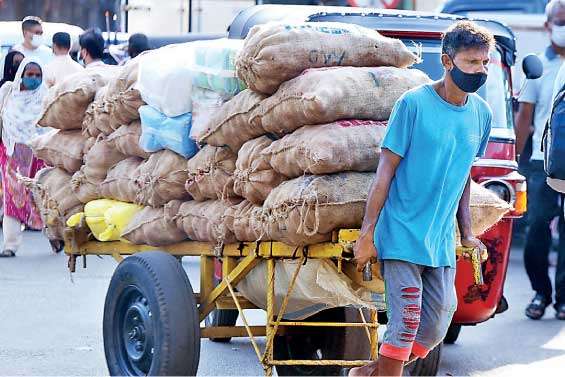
pixel 536 309
pixel 7 254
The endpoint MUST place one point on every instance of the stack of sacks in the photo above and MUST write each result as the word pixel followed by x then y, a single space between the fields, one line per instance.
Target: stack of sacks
pixel 307 133
pixel 98 155
pixel 115 104
pixel 136 135
pixel 64 147
pixel 303 130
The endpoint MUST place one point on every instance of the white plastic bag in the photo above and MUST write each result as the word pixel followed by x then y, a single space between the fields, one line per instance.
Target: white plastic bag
pixel 204 104
pixel 318 286
pixel 165 79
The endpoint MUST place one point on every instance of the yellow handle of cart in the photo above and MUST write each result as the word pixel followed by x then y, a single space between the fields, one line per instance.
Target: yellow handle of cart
pixel 476 257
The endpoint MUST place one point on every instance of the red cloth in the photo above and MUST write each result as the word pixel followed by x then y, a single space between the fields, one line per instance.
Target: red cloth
pixel 17 199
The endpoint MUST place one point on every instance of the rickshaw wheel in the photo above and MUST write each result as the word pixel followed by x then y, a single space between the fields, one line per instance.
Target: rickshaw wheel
pixel 425 367
pixel 452 334
pixel 319 343
pixel 151 324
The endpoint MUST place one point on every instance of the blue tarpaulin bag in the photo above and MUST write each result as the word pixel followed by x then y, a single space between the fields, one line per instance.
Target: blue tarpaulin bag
pixel 159 131
pixel 553 142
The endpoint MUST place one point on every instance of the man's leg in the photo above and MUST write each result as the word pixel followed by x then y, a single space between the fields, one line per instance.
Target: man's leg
pixel 543 208
pixel 403 287
pixel 439 302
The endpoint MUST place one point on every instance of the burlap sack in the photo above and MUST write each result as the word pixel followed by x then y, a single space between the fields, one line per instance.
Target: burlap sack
pixel 51 191
pixel 123 108
pixel 254 177
pixel 486 210
pixel 205 221
pixel 120 183
pixel 126 140
pixel 241 220
pixel 89 143
pixel 62 149
pixel 275 53
pixel 229 126
pixel 96 120
pixel 101 157
pixel 347 145
pixel 85 189
pixel 67 101
pixel 306 210
pixel 125 80
pixel 325 95
pixel 155 226
pixel 210 174
pixel 161 179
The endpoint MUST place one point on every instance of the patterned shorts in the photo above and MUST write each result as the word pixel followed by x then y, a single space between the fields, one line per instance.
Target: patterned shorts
pixel 420 303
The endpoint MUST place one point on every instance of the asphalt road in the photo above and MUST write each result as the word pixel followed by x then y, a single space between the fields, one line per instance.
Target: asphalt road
pixel 51 324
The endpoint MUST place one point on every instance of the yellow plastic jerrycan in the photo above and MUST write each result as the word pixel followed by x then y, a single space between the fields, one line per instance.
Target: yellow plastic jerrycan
pixel 106 218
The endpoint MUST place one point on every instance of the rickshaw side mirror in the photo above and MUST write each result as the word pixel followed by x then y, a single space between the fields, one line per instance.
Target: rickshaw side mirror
pixel 532 67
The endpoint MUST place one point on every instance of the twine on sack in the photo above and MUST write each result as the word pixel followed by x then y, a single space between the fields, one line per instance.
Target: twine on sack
pixel 304 212
pixel 419 51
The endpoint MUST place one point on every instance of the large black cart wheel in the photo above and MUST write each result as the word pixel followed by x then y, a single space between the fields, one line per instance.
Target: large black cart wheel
pixel 425 367
pixel 151 324
pixel 221 317
pixel 452 334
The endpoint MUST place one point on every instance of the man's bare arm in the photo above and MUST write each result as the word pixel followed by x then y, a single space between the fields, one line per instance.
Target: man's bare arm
pixel 524 121
pixel 465 223
pixel 364 247
pixel 464 212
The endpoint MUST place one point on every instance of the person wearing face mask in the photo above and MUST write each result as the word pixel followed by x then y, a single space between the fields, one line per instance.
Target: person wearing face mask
pixel 91 48
pixel 33 45
pixel 20 107
pixel 434 134
pixel 11 64
pixel 545 203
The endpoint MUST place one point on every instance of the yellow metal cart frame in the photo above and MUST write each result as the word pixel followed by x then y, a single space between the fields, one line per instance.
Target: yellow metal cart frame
pixel 237 261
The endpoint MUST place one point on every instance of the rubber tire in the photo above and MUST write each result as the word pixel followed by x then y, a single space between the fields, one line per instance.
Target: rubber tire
pixel 170 299
pixel 221 317
pixel 452 333
pixel 425 367
pixel 330 340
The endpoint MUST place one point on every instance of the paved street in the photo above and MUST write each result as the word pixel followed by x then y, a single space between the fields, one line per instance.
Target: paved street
pixel 52 324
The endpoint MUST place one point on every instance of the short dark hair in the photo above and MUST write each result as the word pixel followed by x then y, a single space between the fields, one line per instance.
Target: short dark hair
pixel 137 43
pixel 93 42
pixel 29 22
pixel 464 35
pixel 62 40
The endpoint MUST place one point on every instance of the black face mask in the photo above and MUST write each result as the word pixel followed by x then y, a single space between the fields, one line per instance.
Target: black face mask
pixel 467 82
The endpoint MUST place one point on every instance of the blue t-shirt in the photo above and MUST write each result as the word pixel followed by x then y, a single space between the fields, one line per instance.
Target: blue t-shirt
pixel 438 143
